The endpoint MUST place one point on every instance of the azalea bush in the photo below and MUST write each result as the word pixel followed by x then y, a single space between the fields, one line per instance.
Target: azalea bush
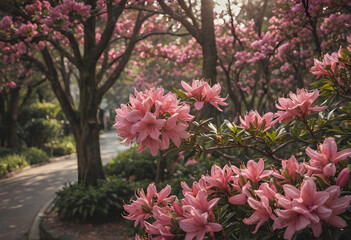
pixel 293 182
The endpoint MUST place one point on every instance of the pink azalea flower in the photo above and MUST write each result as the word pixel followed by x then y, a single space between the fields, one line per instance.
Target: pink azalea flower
pixel 200 202
pixel 220 178
pixel 203 93
pixel 196 187
pixel 254 120
pixel 148 126
pixel 183 112
pixel 266 190
pixel 291 170
pixel 162 232
pixel 324 162
pixel 262 213
pixel 298 104
pixel 141 208
pixel 123 125
pixel 175 130
pixel 196 224
pixel 241 197
pixel 153 144
pixel 319 67
pixel 147 115
pixel 255 171
pixel 301 208
pixel 343 178
pixel 337 205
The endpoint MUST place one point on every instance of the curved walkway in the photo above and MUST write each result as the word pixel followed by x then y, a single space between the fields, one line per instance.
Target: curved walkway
pixel 22 195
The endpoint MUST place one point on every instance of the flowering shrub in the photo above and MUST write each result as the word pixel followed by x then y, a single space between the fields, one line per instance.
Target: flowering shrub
pixel 307 194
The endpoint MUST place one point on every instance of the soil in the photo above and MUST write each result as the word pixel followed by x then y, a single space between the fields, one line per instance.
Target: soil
pixel 63 230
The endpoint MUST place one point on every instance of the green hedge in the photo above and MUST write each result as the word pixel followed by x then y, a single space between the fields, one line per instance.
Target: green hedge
pixel 64 146
pixel 14 159
pixel 93 204
pixel 130 164
pixel 34 155
pixel 12 162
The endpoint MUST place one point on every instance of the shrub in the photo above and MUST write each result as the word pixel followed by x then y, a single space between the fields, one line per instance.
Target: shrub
pixel 64 146
pixel 39 131
pixel 35 155
pixel 130 164
pixel 7 151
pixel 98 204
pixel 44 110
pixel 12 162
pixel 38 124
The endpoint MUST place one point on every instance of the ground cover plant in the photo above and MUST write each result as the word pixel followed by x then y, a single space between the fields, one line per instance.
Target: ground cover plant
pixel 304 194
pixel 11 160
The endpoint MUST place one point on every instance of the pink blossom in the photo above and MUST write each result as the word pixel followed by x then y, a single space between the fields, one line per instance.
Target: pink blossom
pixel 267 190
pixel 137 237
pixel 324 162
pixel 337 205
pixel 301 208
pixel 343 178
pixel 141 208
pixel 12 84
pixel 196 224
pixel 255 171
pixel 200 202
pixel 162 232
pixel 298 104
pixel 219 178
pixel 191 161
pixel 203 93
pixel 284 67
pixel 240 197
pixel 254 120
pixel 262 213
pixel 196 187
pixel 291 170
pixel 175 130
pixel 150 115
pixel 148 131
pixel 319 67
pixel 6 22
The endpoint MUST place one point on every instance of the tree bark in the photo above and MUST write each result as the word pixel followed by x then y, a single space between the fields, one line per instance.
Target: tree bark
pixel 11 116
pixel 209 48
pixel 90 167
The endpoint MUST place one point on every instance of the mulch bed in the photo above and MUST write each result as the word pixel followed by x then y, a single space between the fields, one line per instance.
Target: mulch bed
pixel 52 228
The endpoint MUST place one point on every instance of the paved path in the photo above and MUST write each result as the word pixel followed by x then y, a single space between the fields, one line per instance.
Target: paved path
pixel 22 195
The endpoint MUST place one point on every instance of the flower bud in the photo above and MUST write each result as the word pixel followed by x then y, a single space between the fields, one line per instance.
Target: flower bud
pixel 343 177
pixel 329 170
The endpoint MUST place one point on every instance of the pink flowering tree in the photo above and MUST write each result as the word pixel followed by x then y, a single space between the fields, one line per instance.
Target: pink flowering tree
pixel 269 46
pixel 81 43
pixel 16 85
pixel 305 194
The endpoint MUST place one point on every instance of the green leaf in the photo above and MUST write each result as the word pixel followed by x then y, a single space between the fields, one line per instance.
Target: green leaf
pixel 180 93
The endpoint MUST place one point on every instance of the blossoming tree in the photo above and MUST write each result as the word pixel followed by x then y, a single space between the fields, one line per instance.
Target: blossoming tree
pixel 91 39
pixel 305 194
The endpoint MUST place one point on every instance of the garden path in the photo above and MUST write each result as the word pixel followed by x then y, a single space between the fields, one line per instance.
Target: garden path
pixel 22 195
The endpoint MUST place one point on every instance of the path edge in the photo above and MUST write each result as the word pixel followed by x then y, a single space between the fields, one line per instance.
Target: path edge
pixel 34 231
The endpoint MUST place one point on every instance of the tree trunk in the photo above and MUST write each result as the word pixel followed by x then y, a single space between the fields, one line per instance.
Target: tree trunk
pixel 88 152
pixel 11 119
pixel 209 49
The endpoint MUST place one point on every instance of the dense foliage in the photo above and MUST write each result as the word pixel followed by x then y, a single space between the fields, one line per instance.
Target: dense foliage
pixel 11 160
pixel 92 204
